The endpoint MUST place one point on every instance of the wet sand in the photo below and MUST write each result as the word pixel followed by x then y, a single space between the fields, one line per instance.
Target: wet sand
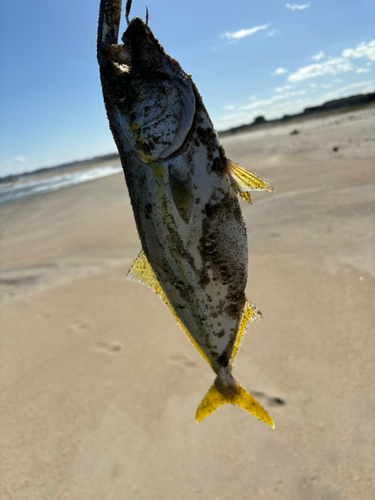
pixel 99 386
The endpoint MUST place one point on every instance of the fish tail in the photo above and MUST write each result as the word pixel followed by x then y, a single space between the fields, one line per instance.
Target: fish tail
pixel 217 396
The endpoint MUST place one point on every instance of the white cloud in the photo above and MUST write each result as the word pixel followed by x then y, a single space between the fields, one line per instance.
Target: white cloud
pixel 296 6
pixel 234 115
pixel 281 89
pixel 300 92
pixel 282 105
pixel 362 50
pixel 342 91
pixel 272 33
pixel 289 103
pixel 296 105
pixel 362 70
pixel 19 160
pixel 267 102
pixel 290 107
pixel 370 88
pixel 332 66
pixel 279 71
pixel 228 106
pixel 318 56
pixel 243 33
pixel 335 66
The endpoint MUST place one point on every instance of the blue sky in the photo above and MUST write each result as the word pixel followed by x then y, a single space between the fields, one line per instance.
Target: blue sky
pixel 247 58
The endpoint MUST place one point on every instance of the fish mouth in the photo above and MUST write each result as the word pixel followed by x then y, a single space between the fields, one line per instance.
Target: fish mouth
pixel 152 96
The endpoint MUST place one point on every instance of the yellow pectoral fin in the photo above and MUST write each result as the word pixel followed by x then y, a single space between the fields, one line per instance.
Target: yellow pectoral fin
pixel 244 181
pixel 142 271
pixel 215 398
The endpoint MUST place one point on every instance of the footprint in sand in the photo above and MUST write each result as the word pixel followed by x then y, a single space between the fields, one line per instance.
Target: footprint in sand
pixel 275 402
pixel 79 326
pixel 278 402
pixel 108 347
pixel 182 361
pixel 43 315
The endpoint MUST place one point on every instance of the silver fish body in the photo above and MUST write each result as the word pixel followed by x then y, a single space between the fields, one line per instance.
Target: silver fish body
pixel 183 191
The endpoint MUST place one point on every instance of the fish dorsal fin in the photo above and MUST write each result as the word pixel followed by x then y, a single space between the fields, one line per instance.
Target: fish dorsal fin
pixel 244 181
pixel 142 271
pixel 250 313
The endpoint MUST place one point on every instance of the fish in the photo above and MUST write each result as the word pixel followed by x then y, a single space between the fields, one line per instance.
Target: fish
pixel 184 192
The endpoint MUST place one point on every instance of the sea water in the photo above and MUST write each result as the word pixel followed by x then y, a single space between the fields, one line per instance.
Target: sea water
pixel 23 189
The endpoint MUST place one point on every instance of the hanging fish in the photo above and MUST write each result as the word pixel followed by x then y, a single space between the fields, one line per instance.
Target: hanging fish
pixel 183 190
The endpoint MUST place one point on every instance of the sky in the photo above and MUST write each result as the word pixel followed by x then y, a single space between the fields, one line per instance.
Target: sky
pixel 247 58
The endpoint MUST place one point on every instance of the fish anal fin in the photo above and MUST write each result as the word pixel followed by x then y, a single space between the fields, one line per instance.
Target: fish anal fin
pixel 142 271
pixel 240 397
pixel 250 313
pixel 244 180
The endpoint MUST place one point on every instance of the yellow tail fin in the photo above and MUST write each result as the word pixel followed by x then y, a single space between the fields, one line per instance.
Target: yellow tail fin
pixel 215 398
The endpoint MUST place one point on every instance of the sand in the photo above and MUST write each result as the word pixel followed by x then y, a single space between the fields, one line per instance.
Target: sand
pixel 99 386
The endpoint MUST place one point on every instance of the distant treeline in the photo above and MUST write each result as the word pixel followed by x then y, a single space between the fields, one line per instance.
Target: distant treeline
pixel 345 102
pixel 44 170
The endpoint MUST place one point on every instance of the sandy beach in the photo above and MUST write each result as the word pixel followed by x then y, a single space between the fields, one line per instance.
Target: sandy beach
pixel 99 386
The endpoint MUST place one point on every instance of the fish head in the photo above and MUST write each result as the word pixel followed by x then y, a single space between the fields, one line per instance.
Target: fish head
pixel 150 100
pixel 140 44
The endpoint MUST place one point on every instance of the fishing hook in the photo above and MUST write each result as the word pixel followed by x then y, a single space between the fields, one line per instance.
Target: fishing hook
pixel 127 12
pixel 147 16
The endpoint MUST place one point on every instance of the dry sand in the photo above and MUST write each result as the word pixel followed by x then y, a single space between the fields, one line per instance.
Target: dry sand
pixel 100 386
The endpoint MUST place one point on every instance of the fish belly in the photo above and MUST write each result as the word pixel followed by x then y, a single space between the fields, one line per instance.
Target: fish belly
pixel 201 263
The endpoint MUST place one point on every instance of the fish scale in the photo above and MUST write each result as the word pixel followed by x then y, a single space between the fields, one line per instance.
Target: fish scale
pixel 184 194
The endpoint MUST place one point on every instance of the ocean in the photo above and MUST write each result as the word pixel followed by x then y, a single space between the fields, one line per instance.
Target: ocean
pixel 21 189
